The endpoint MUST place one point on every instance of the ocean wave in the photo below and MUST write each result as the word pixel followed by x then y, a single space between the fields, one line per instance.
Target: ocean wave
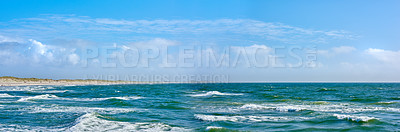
pixel 51 91
pixel 282 108
pixel 211 93
pixel 342 108
pixel 90 122
pixel 102 99
pixel 215 128
pixel 214 118
pixel 126 98
pixel 385 103
pixel 22 128
pixel 354 118
pixel 54 97
pixel 26 88
pixel 38 97
pixel 72 109
pixel 5 95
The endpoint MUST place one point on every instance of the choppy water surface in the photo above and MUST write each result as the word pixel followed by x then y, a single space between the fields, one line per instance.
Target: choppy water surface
pixel 202 107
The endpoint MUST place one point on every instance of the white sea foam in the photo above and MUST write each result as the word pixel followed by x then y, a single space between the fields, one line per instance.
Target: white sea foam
pixel 21 128
pixel 102 99
pixel 354 118
pixel 90 122
pixel 211 93
pixel 38 97
pixel 282 108
pixel 213 127
pixel 26 88
pixel 342 108
pixel 54 97
pixel 52 91
pixel 247 118
pixel 5 95
pixel 388 102
pixel 126 98
pixel 72 109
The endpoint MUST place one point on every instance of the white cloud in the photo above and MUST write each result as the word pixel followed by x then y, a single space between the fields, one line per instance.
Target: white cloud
pixel 4 39
pixel 34 52
pixel 73 58
pixel 41 48
pixel 10 58
pixel 265 30
pixel 387 56
pixel 153 43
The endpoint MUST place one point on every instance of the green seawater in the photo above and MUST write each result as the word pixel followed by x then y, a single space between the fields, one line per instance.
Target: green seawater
pixel 203 107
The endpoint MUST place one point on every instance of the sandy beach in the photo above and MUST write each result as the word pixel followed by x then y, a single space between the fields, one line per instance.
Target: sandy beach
pixel 13 81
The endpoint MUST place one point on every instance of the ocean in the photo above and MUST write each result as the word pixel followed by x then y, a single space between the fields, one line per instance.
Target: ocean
pixel 202 107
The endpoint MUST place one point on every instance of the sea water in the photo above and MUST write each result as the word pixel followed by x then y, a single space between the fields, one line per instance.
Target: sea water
pixel 202 107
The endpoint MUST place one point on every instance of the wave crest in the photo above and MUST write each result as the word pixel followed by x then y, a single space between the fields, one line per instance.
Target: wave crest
pixel 211 93
pixel 91 122
pixel 54 97
pixel 354 118
pixel 214 118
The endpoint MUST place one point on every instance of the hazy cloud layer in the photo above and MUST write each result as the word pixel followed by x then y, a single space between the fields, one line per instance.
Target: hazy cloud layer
pixel 80 25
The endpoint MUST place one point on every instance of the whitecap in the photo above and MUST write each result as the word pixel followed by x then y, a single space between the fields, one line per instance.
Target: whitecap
pixel 102 99
pixel 26 88
pixel 52 91
pixel 73 109
pixel 214 118
pixel 340 107
pixel 387 102
pixel 5 95
pixel 22 128
pixel 38 97
pixel 282 108
pixel 127 98
pixel 213 127
pixel 90 122
pixel 211 93
pixel 54 97
pixel 354 118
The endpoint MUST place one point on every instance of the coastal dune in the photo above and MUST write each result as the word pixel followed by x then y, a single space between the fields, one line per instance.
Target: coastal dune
pixel 14 81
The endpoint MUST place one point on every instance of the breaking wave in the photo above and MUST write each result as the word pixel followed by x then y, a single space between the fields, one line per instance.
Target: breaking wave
pixel 214 118
pixel 5 95
pixel 73 109
pixel 354 118
pixel 91 122
pixel 54 97
pixel 38 97
pixel 211 93
pixel 342 108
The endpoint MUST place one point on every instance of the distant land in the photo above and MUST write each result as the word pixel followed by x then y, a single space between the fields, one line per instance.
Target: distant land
pixel 15 81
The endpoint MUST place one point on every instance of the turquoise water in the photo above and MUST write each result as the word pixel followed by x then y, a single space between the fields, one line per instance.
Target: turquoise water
pixel 202 107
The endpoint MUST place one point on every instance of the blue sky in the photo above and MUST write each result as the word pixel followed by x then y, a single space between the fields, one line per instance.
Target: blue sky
pixel 354 40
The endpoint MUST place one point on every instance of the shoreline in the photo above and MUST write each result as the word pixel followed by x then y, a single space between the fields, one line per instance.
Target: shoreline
pixel 14 81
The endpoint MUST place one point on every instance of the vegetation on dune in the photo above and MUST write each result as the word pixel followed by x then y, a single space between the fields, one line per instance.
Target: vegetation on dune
pixel 16 79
